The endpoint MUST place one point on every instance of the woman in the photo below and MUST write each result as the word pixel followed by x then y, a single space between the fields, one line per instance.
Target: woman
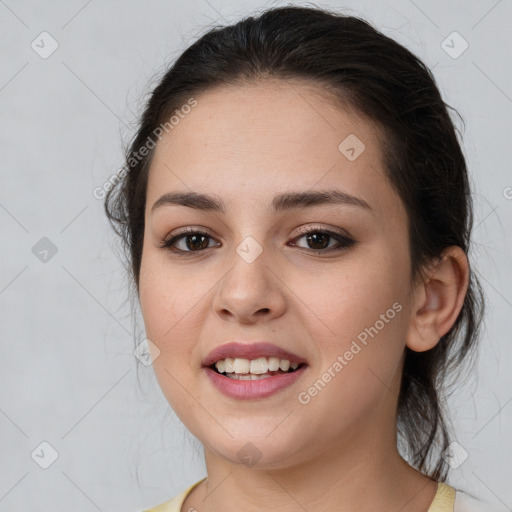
pixel 297 214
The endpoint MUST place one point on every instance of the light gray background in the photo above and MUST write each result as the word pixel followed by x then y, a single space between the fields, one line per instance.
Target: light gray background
pixel 68 375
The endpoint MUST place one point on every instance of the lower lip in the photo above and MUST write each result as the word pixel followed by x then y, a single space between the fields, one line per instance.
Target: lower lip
pixel 249 389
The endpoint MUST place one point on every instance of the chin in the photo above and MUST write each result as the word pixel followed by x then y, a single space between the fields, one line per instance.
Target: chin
pixel 261 451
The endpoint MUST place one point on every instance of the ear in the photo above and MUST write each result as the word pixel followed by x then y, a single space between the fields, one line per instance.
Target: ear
pixel 438 299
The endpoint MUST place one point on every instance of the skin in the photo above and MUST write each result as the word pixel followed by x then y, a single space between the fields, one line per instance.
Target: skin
pixel 246 144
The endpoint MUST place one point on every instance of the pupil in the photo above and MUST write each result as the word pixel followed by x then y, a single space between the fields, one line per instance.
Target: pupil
pixel 192 239
pixel 314 239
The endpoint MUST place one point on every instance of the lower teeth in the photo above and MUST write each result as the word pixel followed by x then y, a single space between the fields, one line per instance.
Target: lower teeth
pixel 247 376
pixel 253 376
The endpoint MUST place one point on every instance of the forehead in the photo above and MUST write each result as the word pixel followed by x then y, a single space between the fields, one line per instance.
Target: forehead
pixel 247 142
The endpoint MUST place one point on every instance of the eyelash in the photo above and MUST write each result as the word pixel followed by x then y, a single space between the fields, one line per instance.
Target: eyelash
pixel 344 242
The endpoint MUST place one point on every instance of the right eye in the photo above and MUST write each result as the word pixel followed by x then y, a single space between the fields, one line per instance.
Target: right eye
pixel 188 241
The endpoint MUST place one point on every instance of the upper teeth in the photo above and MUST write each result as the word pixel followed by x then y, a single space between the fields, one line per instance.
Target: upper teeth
pixel 257 366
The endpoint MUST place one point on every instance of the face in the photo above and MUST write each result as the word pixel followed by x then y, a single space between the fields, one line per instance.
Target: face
pixel 337 298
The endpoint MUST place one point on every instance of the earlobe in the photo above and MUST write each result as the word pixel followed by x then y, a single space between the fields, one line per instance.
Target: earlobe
pixel 438 299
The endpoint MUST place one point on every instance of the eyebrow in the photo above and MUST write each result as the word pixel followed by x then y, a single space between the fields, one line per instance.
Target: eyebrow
pixel 281 202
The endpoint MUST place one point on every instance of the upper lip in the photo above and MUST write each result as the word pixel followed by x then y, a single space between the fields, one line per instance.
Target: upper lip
pixel 250 351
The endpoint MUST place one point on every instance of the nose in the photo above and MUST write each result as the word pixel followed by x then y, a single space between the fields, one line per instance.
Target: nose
pixel 250 292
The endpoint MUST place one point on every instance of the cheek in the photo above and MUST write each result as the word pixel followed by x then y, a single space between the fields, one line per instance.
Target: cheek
pixel 354 294
pixel 358 311
pixel 358 328
pixel 168 294
pixel 171 301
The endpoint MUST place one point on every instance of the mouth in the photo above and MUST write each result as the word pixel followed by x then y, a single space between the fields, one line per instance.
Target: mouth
pixel 252 370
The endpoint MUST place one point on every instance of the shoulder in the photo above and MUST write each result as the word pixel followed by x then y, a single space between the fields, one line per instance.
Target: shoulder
pixel 174 505
pixel 449 499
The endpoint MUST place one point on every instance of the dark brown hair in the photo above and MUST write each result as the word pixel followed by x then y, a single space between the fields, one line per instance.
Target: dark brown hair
pixel 383 81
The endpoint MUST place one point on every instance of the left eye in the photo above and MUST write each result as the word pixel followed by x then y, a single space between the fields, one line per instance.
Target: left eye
pixel 320 241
